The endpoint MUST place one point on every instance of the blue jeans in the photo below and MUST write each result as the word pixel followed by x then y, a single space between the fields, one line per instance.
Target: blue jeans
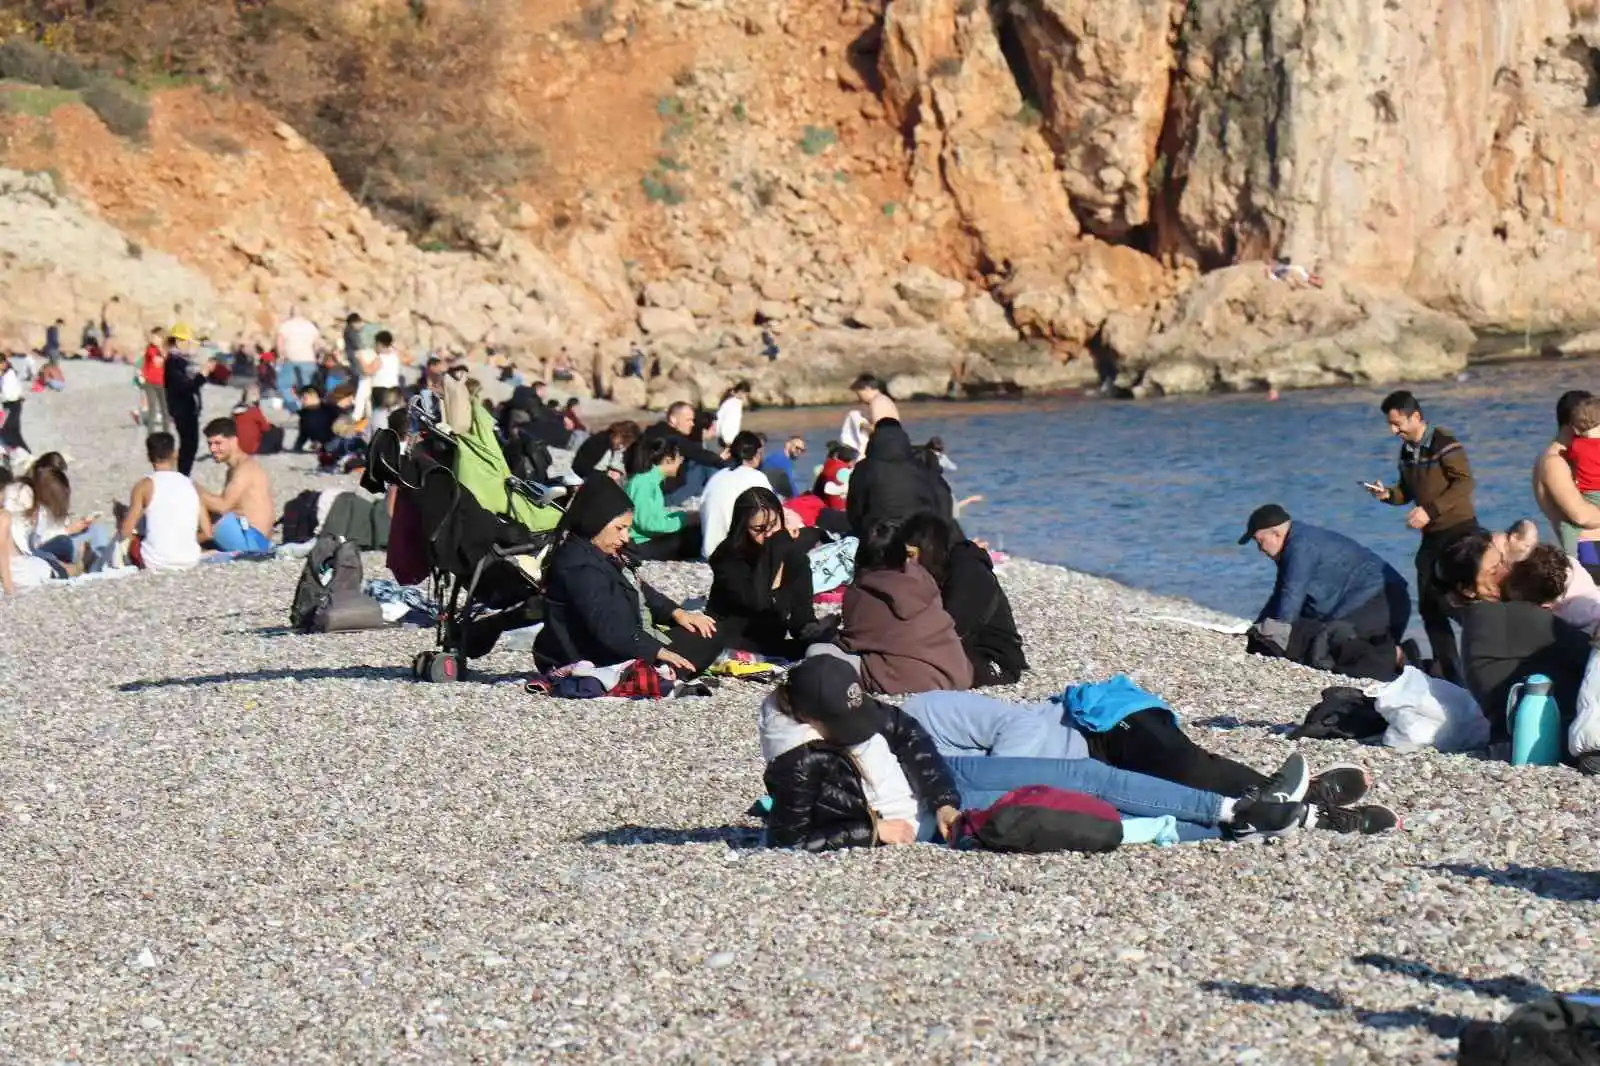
pixel 231 533
pixel 982 780
pixel 695 477
pixel 67 548
pixel 292 377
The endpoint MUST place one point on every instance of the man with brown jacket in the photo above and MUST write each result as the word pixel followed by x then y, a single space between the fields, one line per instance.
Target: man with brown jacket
pixel 1436 480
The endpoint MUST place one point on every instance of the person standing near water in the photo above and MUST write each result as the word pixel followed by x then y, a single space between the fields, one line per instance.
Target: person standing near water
pixel 1436 481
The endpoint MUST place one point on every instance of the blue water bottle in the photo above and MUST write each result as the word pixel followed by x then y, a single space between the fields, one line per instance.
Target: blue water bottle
pixel 1535 722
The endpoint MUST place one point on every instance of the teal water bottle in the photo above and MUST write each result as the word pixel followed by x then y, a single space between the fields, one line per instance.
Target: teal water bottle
pixel 1535 722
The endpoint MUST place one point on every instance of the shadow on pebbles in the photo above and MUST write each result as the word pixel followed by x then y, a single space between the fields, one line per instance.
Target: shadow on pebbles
pixel 225 842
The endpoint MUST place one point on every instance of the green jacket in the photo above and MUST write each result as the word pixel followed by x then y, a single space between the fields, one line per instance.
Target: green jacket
pixel 650 515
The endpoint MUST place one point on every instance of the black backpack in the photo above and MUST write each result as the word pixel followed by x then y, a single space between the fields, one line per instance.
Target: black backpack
pixel 1558 1031
pixel 299 519
pixel 328 598
pixel 528 458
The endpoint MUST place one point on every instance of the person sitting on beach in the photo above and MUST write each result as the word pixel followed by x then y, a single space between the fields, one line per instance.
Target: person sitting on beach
pixel 19 567
pixel 1116 724
pixel 42 505
pixel 971 595
pixel 165 523
pixel 874 394
pixel 1555 581
pixel 1325 578
pixel 1505 641
pixel 242 512
pixel 891 483
pixel 894 624
pixel 824 505
pixel 658 533
pixel 761 588
pixel 844 770
pixel 725 486
pixel 595 454
pixel 316 420
pixel 598 609
pixel 779 466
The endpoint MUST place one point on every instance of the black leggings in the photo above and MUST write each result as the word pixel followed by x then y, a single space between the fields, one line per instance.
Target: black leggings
pixel 11 431
pixel 187 423
pixel 680 546
pixel 1150 742
pixel 700 651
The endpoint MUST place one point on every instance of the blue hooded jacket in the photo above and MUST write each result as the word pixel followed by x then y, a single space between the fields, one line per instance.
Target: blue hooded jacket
pixel 1324 575
pixel 1100 706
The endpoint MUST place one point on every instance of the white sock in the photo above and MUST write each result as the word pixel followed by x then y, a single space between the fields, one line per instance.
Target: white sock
pixel 1225 815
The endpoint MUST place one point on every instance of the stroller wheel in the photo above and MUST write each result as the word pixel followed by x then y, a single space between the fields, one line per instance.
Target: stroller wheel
pixel 444 667
pixel 420 664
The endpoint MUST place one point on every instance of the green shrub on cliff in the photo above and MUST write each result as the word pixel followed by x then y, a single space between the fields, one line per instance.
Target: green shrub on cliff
pixel 123 112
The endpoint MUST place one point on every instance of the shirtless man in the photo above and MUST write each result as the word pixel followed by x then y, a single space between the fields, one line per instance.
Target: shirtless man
pixel 1555 490
pixel 244 509
pixel 870 391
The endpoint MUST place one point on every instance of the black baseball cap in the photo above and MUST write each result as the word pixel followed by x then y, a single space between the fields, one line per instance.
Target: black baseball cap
pixel 827 690
pixel 1264 517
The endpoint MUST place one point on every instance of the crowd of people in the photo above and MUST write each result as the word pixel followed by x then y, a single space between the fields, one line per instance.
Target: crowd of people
pixel 876 529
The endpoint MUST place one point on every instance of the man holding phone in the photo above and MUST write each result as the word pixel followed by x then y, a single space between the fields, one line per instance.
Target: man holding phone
pixel 1435 479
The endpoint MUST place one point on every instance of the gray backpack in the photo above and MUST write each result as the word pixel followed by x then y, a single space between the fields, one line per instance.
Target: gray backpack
pixel 328 598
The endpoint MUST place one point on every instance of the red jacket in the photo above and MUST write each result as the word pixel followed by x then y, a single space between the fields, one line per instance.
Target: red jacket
pixel 251 424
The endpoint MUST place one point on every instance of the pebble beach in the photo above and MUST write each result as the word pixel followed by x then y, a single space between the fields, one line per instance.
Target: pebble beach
pixel 227 842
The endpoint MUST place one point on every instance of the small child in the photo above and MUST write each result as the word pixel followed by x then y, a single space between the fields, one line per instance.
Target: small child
pixel 1549 577
pixel 1521 539
pixel 316 419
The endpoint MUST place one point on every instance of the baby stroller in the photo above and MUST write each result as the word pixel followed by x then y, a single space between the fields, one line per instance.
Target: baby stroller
pixel 483 561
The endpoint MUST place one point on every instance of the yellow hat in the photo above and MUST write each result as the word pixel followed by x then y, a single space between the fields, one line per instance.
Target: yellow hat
pixel 181 332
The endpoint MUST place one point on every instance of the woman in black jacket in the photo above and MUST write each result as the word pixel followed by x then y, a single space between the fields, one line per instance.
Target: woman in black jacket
pixel 761 582
pixel 596 606
pixel 1502 642
pixel 972 596
pixel 893 482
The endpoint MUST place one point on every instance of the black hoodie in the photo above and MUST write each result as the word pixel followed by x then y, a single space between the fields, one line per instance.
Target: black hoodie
pixel 893 483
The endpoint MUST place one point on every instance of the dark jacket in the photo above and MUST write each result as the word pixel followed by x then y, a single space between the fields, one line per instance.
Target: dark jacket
pixel 892 482
pixel 1324 575
pixel 818 803
pixel 978 605
pixel 592 612
pixel 1503 643
pixel 754 614
pixel 586 460
pixel 543 423
pixel 184 382
pixel 1436 476
pixel 895 621
pixel 691 449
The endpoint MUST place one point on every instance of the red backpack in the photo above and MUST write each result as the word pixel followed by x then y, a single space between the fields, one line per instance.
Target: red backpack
pixel 1039 818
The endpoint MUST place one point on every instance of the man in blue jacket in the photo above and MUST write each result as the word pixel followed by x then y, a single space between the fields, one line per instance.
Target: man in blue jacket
pixel 1330 592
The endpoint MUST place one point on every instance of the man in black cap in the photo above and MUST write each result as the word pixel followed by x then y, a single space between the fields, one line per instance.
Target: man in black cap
pixel 1335 605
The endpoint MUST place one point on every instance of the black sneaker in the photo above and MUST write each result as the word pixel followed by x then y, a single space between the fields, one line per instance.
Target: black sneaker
pixel 1261 819
pixel 1288 785
pixel 1367 819
pixel 1339 786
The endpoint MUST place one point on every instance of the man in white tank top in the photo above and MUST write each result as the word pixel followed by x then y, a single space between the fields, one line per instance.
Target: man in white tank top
pixel 166 522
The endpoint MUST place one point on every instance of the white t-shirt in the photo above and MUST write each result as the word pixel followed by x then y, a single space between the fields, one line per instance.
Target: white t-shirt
pixel 17 498
pixel 30 571
pixel 387 376
pixel 297 340
pixel 10 386
pixel 171 523
pixel 716 503
pixel 730 417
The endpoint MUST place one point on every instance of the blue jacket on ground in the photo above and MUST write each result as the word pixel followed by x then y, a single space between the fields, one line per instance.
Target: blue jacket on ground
pixel 1098 707
pixel 1323 575
pixel 967 723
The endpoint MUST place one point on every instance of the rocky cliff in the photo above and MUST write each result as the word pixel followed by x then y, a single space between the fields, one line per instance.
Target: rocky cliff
pixel 968 195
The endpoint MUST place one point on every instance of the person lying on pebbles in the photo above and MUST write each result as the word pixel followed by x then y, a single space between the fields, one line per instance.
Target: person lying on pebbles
pixel 844 770
pixel 1091 728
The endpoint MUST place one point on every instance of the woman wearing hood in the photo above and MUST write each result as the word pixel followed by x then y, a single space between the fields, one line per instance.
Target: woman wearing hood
pixel 598 609
pixel 895 621
pixel 894 482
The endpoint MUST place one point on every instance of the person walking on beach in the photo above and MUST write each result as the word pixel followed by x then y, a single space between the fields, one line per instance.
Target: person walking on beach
pixel 1435 479
pixel 153 383
pixel 184 380
pixel 297 356
pixel 11 442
